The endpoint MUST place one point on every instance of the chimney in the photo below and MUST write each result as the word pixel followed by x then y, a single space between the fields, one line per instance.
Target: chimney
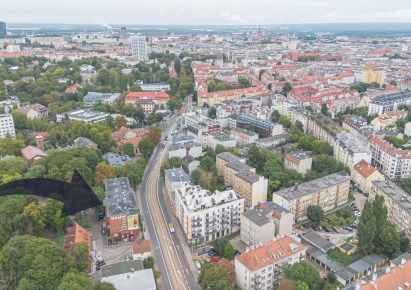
pixel 40 142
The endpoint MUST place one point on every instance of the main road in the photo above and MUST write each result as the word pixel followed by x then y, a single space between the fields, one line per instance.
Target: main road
pixel 171 261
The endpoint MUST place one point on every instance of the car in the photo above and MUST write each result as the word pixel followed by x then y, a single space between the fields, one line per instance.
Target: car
pixel 100 263
pixel 115 242
pixel 171 227
pixel 103 231
pixel 109 242
pixel 198 264
pixel 127 258
pixel 99 217
pixel 214 259
pixel 236 253
pixel 212 254
pixel 97 268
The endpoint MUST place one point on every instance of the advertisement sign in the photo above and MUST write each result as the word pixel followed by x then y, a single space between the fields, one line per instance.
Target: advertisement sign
pixel 132 222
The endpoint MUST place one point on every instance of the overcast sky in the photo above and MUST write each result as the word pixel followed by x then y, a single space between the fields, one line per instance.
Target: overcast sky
pixel 219 12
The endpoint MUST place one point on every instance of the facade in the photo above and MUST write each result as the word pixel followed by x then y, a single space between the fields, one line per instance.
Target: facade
pixel 387 119
pixel 262 268
pixel 390 161
pixel 363 174
pixel 221 138
pixel 158 97
pixel 272 141
pixel 34 111
pixel 121 210
pixel 300 161
pixel 206 216
pixel 139 47
pixel 243 179
pixel 242 136
pixel 148 105
pixel 182 150
pixel 175 178
pixel 371 75
pixel 323 128
pixel 3 30
pixel 354 124
pixel 389 102
pixel 212 98
pixel 349 150
pixel 397 201
pixel 85 115
pixel 93 98
pixel 327 192
pixel 157 87
pixel 7 126
pixel 262 127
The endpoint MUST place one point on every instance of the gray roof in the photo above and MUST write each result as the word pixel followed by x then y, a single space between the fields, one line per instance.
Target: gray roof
pixel 84 142
pixel 116 159
pixel 316 240
pixel 247 119
pixel 120 198
pixel 176 175
pixel 221 136
pixel 239 166
pixel 397 261
pixel 394 193
pixel 313 186
pixel 137 280
pixel 390 98
pixel 248 176
pixel 276 207
pixel 272 138
pixel 300 155
pixel 259 217
pixel 227 156
pixel 121 268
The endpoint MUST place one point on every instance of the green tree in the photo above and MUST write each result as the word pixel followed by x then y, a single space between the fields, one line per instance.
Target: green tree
pixel 135 171
pixel 324 109
pixel 81 257
pixel 212 112
pixel 146 148
pixel 214 277
pixel 149 262
pixel 286 88
pixel 229 251
pixel 208 164
pixel 128 149
pixel 275 116
pixel 154 134
pixel 103 171
pixel 75 281
pixel 301 286
pixel 366 229
pixel 174 162
pixel 380 213
pixel 315 213
pixel 249 127
pixel 36 171
pixel 325 164
pixel 390 239
pixel 331 277
pixel 219 149
pixel 103 286
pixel 120 121
pixel 283 120
pixel 53 210
pixel 195 176
pixel 37 215
pixel 304 272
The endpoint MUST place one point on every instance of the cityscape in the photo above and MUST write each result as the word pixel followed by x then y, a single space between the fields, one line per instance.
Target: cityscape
pixel 243 151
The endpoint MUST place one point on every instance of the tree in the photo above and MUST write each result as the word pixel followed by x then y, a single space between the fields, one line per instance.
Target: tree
pixel 212 112
pixel 110 122
pixel 304 272
pixel 36 171
pixel 324 109
pixel 10 146
pixel 380 212
pixel 154 134
pixel 315 213
pixel 283 120
pixel 366 229
pixel 229 251
pixel 120 121
pixel 55 219
pixel 286 88
pixel 208 164
pixel 81 257
pixel 103 171
pixel 75 281
pixel 135 171
pixel 146 148
pixel 214 277
pixel 128 149
pixel 275 116
pixel 149 262
pixel 37 215
pixel 195 176
pixel 103 286
pixel 174 162
pixel 208 180
pixel 286 284
pixel 301 286
pixel 325 165
pixel 331 277
pixel 220 244
pixel 249 127
pixel 219 149
pixel 390 240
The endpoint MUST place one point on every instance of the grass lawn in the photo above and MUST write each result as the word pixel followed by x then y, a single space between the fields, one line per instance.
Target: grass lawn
pixel 342 217
pixel 341 258
pixel 332 286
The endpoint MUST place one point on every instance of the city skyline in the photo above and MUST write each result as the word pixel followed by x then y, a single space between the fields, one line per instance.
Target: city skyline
pixel 161 12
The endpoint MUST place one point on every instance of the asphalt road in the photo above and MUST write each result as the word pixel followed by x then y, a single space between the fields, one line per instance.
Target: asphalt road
pixel 172 263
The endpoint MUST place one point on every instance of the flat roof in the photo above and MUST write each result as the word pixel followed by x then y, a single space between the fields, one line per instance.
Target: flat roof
pixel 239 166
pixel 229 157
pixel 121 268
pixel 137 280
pixel 395 193
pixel 259 217
pixel 248 176
pixel 120 198
pixel 176 175
pixel 300 155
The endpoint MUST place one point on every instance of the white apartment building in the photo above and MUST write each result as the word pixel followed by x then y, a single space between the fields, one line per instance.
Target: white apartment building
pixel 349 150
pixel 183 150
pixel 390 161
pixel 7 126
pixel 139 47
pixel 300 161
pixel 206 216
pixel 397 201
pixel 87 116
pixel 327 192
pixel 242 136
pixel 157 87
pixel 388 103
pixel 262 268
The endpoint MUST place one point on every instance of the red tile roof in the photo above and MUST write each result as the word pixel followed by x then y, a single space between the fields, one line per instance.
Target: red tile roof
pixel 31 152
pixel 364 168
pixel 161 96
pixel 75 235
pixel 142 246
pixel 397 278
pixel 387 147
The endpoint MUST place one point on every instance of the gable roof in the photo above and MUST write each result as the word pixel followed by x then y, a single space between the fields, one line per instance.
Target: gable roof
pixel 364 168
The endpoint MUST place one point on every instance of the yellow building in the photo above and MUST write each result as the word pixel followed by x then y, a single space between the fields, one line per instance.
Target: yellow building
pixel 371 75
pixel 364 174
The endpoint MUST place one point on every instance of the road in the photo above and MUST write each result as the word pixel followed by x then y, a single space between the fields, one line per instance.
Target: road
pixel 171 262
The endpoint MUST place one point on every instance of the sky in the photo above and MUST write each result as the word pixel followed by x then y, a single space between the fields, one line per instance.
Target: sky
pixel 205 12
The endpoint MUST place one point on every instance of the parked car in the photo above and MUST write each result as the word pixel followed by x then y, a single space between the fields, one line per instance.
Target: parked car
pixel 214 259
pixel 211 254
pixel 99 217
pixel 171 227
pixel 103 231
pixel 127 258
pixel 198 264
pixel 109 242
pixel 132 238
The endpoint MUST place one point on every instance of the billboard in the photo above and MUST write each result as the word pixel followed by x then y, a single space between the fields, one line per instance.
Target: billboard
pixel 132 222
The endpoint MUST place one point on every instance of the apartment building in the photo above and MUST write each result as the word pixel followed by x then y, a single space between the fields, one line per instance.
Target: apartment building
pixel 390 161
pixel 263 267
pixel 93 98
pixel 221 138
pixel 397 201
pixel 155 87
pixel 139 47
pixel 349 150
pixel 363 174
pixel 354 124
pixel 175 178
pixel 7 126
pixel 263 128
pixel 261 224
pixel 372 75
pixel 243 136
pixel 327 192
pixel 300 161
pixel 323 128
pixel 389 102
pixel 158 97
pixel 206 216
pixel 87 116
pixel 182 150
pixel 387 119
pixel 212 98
pixel 34 111
pixel 242 178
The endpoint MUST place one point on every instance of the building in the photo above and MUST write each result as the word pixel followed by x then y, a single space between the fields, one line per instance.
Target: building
pixel 389 102
pixel 76 235
pixel 175 178
pixel 397 201
pixel 84 142
pixel 327 192
pixel 182 150
pixel 126 135
pixel 390 161
pixel 121 210
pixel 262 268
pixel 354 124
pixel 156 87
pixel 300 161
pixel 212 98
pixel 83 115
pixel 363 174
pixel 116 159
pixel 243 179
pixel 323 128
pixel 157 97
pixel 349 150
pixel 139 47
pixel 242 136
pixel 32 153
pixel 387 119
pixel 206 216
pixel 3 30
pixel 7 126
pixel 93 98
pixel 221 138
pixel 262 127
pixel 266 221
pixel 272 141
pixel 372 75
pixel 34 111
pixel 148 105
pixel 127 275
pixel 141 249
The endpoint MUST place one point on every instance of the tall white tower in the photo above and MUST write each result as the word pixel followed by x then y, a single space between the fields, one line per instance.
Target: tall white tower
pixel 139 47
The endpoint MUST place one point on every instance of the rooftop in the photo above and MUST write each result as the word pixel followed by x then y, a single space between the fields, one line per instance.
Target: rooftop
pixel 395 193
pixel 351 143
pixel 116 159
pixel 259 216
pixel 389 98
pixel 121 268
pixel 313 186
pixel 247 119
pixel 364 168
pixel 299 155
pixel 136 280
pixel 228 157
pixel 84 114
pixel 120 198
pixel 239 166
pixel 176 175
pixel 248 175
